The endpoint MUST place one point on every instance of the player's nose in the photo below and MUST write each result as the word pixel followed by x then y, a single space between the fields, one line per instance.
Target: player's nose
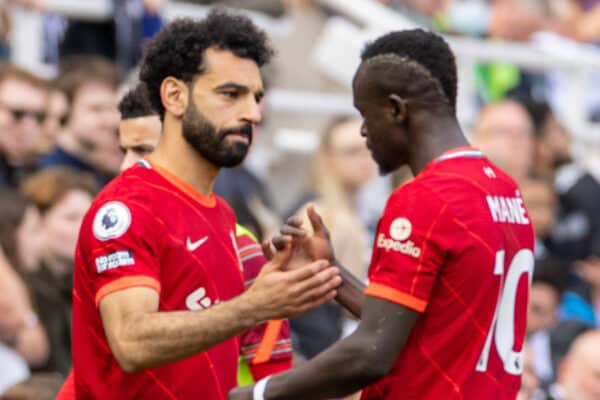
pixel 251 112
pixel 363 129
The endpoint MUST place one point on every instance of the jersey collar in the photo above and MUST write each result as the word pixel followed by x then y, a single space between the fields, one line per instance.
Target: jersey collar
pixel 206 201
pixel 466 151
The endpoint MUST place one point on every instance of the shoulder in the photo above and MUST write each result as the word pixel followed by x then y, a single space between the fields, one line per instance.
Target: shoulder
pixel 417 193
pixel 121 202
pixel 224 206
pixel 59 157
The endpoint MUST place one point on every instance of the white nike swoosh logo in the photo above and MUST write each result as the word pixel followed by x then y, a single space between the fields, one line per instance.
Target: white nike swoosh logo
pixel 191 246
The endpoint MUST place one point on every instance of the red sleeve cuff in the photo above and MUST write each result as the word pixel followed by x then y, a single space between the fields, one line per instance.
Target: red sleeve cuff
pixel 126 282
pixel 395 296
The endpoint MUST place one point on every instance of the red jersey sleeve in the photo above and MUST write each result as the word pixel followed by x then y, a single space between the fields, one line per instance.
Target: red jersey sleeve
pixel 408 250
pixel 267 348
pixel 120 247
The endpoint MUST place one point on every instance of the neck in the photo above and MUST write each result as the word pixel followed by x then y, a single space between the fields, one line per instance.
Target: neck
pixel 175 155
pixel 431 138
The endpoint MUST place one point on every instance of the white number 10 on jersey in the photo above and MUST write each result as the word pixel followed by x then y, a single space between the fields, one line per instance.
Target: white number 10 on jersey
pixel 502 330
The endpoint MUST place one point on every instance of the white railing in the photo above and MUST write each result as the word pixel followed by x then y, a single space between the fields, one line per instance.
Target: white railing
pixel 337 54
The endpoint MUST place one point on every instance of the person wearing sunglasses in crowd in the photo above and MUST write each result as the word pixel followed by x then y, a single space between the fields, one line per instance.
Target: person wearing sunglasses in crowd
pixel 22 112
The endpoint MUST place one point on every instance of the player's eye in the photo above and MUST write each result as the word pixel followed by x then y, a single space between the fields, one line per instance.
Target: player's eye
pixel 231 94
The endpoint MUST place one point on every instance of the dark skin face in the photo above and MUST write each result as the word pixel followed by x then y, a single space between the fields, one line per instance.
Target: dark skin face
pixel 384 118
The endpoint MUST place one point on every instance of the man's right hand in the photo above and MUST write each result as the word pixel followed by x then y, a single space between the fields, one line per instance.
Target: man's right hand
pixel 306 246
pixel 279 292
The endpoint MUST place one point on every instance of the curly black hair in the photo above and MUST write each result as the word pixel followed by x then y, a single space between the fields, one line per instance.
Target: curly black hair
pixel 178 49
pixel 423 47
pixel 136 103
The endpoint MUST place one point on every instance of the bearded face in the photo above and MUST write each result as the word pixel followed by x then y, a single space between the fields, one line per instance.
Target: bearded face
pixel 224 148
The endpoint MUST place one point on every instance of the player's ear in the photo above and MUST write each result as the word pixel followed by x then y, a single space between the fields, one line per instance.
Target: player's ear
pixel 174 96
pixel 398 108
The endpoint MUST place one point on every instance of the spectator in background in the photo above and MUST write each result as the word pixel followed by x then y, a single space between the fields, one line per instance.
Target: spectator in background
pixel 517 20
pixel 504 132
pixel 547 286
pixel 579 374
pixel 578 217
pixel 582 300
pixel 530 383
pixel 584 20
pixel 342 165
pixel 140 126
pixel 62 196
pixel 89 141
pixel 23 340
pixel 4 32
pixel 542 315
pixel 541 202
pixel 57 111
pixel 578 188
pixel 551 142
pixel 22 111
pixel 20 236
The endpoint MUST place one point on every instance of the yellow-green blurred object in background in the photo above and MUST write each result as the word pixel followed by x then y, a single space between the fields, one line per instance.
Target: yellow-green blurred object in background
pixel 495 80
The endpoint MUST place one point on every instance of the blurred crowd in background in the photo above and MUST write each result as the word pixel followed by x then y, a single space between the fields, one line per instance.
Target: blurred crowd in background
pixel 60 144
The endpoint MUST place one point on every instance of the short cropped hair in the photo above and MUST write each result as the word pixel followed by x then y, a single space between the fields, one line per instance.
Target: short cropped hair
pixel 423 47
pixel 552 272
pixel 11 71
pixel 77 71
pixel 178 49
pixel 136 103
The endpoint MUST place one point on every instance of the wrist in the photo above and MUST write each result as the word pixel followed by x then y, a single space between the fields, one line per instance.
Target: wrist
pixel 249 311
pixel 260 388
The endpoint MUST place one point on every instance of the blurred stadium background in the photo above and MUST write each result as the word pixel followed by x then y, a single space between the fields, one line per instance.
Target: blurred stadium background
pixel 541 56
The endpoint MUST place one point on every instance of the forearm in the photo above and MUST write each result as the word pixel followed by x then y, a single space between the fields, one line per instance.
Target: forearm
pixel 350 293
pixel 151 339
pixel 341 370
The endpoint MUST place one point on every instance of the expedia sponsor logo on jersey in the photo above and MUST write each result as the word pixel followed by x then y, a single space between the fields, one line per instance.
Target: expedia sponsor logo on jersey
pixel 400 230
pixel 407 247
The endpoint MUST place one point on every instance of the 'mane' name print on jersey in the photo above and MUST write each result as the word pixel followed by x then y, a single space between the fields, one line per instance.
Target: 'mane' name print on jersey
pixel 508 209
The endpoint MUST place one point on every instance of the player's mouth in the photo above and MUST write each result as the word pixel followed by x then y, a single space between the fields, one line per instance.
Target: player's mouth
pixel 239 137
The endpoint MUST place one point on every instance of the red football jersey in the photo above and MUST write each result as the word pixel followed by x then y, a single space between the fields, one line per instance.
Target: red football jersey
pixel 456 245
pixel 149 228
